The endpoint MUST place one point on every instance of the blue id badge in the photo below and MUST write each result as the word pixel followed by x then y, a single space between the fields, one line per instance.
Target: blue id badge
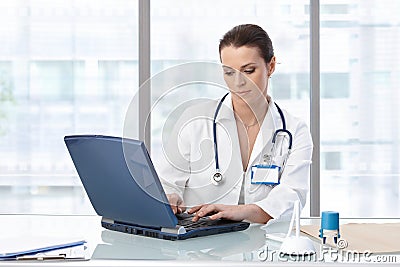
pixel 265 174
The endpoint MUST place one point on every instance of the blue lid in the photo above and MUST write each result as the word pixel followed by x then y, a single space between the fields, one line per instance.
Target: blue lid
pixel 330 220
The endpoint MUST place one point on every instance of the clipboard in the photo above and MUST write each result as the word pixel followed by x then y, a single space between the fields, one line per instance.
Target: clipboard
pixel 36 248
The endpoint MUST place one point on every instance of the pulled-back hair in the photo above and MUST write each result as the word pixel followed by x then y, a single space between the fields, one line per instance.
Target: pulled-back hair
pixel 249 35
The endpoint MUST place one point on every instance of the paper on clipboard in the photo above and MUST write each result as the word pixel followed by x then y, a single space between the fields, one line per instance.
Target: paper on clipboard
pixel 12 248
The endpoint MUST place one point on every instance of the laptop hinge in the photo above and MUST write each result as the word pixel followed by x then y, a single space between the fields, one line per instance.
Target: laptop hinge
pixel 106 220
pixel 178 230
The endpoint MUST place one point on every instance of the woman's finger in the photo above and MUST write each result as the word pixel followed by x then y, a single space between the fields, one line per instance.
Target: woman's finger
pixel 194 209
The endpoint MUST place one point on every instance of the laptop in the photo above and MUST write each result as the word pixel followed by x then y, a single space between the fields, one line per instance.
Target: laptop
pixel 123 187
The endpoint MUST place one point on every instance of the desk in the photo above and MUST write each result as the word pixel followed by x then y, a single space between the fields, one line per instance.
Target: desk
pixel 109 248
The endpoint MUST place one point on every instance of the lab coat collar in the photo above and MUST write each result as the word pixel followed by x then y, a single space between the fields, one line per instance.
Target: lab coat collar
pixel 270 124
pixel 226 110
pixel 271 120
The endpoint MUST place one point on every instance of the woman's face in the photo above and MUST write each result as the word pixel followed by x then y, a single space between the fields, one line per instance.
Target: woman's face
pixel 245 72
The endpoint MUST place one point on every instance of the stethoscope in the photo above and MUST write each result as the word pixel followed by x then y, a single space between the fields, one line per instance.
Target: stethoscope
pixel 217 178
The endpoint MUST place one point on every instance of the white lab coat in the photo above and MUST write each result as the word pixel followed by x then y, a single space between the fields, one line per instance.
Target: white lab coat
pixel 189 164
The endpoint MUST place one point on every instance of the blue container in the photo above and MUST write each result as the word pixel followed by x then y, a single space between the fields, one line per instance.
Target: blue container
pixel 330 220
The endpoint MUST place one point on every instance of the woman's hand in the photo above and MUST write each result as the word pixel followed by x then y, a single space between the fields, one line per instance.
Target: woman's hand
pixel 176 202
pixel 250 212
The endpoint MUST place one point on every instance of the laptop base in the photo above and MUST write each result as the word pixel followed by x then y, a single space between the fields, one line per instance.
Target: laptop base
pixel 156 233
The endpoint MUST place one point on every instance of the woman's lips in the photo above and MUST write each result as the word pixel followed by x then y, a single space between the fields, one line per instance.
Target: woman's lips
pixel 242 92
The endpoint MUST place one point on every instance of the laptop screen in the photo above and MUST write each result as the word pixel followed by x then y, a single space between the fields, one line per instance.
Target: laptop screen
pixel 120 180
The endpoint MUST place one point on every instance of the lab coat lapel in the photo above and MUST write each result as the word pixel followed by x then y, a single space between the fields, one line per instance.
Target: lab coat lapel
pixel 264 136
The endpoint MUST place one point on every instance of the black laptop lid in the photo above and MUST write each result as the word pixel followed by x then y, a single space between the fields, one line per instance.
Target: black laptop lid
pixel 126 194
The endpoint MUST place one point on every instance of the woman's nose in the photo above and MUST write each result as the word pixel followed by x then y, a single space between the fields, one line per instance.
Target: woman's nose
pixel 239 79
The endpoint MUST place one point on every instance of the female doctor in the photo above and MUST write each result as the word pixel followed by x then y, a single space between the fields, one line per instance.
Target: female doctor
pixel 240 157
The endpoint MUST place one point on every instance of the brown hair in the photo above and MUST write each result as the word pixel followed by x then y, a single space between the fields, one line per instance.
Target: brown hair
pixel 249 35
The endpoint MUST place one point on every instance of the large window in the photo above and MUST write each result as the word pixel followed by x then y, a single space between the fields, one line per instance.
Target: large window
pixel 71 67
pixel 66 67
pixel 360 156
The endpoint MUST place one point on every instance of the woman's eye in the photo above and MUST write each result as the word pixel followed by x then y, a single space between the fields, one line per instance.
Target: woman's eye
pixel 229 73
pixel 249 71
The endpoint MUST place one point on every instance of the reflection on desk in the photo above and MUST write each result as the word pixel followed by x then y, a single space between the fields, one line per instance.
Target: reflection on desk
pixel 215 247
pixel 109 248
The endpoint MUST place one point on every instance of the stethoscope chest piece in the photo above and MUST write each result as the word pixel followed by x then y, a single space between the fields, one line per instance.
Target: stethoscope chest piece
pixel 216 178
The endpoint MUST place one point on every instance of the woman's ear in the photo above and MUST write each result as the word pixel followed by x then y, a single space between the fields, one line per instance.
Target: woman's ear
pixel 271 66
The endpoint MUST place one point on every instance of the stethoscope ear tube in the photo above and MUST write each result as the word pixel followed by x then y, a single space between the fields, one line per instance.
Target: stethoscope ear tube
pixel 283 131
pixel 217 177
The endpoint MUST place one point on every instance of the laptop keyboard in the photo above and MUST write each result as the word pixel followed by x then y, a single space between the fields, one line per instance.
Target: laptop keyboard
pixel 185 220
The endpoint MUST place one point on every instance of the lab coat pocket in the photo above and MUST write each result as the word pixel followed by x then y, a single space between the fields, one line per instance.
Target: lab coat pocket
pixel 257 192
